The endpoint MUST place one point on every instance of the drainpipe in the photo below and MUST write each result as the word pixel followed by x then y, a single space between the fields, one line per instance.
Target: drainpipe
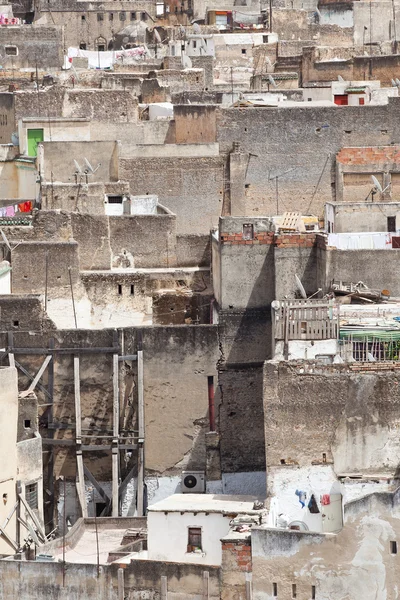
pixel 211 405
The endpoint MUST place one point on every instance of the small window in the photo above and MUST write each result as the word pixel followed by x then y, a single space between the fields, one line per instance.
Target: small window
pixel 100 17
pixel 114 199
pixel 391 224
pixel 122 16
pixel 283 461
pixel 111 17
pixel 248 231
pixel 83 18
pixel 31 495
pixel 15 323
pixel 194 44
pixel 27 423
pixel 275 590
pixel 361 101
pixel 194 539
pixel 265 39
pixel 132 289
pixel 119 289
pixel 11 50
pixel 393 547
pixel 324 457
pixel 244 50
pixel 101 48
pixel 313 592
pixel 133 16
pixel 143 16
pixel 82 46
pixel 294 590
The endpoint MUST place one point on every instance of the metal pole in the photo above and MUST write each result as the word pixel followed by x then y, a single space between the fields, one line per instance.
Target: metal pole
pixel 72 296
pixel 232 83
pixel 277 195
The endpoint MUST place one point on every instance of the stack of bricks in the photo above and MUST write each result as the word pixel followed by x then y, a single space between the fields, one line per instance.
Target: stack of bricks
pixel 295 240
pixel 369 155
pixel 237 553
pixel 261 237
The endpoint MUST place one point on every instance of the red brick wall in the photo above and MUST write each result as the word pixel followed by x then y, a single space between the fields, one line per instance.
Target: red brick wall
pixel 369 155
pixel 262 237
pixel 238 554
pixel 283 240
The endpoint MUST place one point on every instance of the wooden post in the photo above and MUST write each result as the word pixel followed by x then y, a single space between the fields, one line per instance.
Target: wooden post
pixel 206 582
pixel 115 449
pixel 164 587
pixel 78 439
pixel 121 584
pixel 140 478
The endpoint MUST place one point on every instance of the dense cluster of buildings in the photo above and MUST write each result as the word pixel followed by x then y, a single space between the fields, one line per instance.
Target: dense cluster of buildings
pixel 199 299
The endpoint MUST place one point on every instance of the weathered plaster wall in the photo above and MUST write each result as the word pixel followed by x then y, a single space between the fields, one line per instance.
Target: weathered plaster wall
pixel 305 140
pixel 191 189
pixel 376 268
pixel 349 415
pixel 37 46
pixel 356 563
pixel 8 451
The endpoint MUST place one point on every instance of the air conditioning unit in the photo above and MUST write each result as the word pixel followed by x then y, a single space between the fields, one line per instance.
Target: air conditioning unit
pixel 193 482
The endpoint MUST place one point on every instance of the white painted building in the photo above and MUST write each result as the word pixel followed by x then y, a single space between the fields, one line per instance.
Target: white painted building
pixel 188 528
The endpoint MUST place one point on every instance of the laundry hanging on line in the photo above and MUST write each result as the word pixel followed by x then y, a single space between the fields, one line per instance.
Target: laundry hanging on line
pixel 325 499
pixel 302 497
pixel 312 505
pixel 12 209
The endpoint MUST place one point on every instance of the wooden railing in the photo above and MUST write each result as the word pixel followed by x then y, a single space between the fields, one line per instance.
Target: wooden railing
pixel 305 320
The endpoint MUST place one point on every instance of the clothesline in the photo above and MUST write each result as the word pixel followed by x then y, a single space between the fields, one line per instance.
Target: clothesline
pixel 11 209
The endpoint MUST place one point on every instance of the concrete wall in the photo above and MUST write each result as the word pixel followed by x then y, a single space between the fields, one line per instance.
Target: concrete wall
pixel 191 189
pixel 355 217
pixel 8 451
pixel 37 46
pixel 54 131
pixel 56 160
pixel 300 139
pixel 7 122
pixel 355 265
pixel 355 563
pixel 36 580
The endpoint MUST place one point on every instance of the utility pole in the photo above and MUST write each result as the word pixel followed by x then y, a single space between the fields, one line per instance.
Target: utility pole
pixel 270 16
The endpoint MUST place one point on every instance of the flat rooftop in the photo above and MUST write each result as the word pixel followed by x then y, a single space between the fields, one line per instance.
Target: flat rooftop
pixel 206 503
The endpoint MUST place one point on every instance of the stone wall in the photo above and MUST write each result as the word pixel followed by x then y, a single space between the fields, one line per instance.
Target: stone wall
pixel 191 189
pixel 305 140
pixel 236 562
pixel 36 47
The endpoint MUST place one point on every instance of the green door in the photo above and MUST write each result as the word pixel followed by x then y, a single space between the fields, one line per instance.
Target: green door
pixel 35 136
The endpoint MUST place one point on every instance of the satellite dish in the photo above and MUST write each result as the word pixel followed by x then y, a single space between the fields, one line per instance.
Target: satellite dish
pixel 125 40
pixel 397 81
pixel 7 243
pixel 271 80
pixel 196 28
pixel 90 169
pixel 77 168
pixel 378 185
pixel 300 287
pixel 186 62
pixel 157 36
pixel 394 84
pixel 340 78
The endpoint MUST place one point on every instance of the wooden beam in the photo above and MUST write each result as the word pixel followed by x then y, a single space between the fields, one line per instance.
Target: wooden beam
pixel 78 438
pixel 124 484
pixel 115 449
pixel 46 351
pixel 140 478
pixel 37 377
pixel 33 517
pixel 25 372
pixel 96 484
pixel 9 540
pixel 10 352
